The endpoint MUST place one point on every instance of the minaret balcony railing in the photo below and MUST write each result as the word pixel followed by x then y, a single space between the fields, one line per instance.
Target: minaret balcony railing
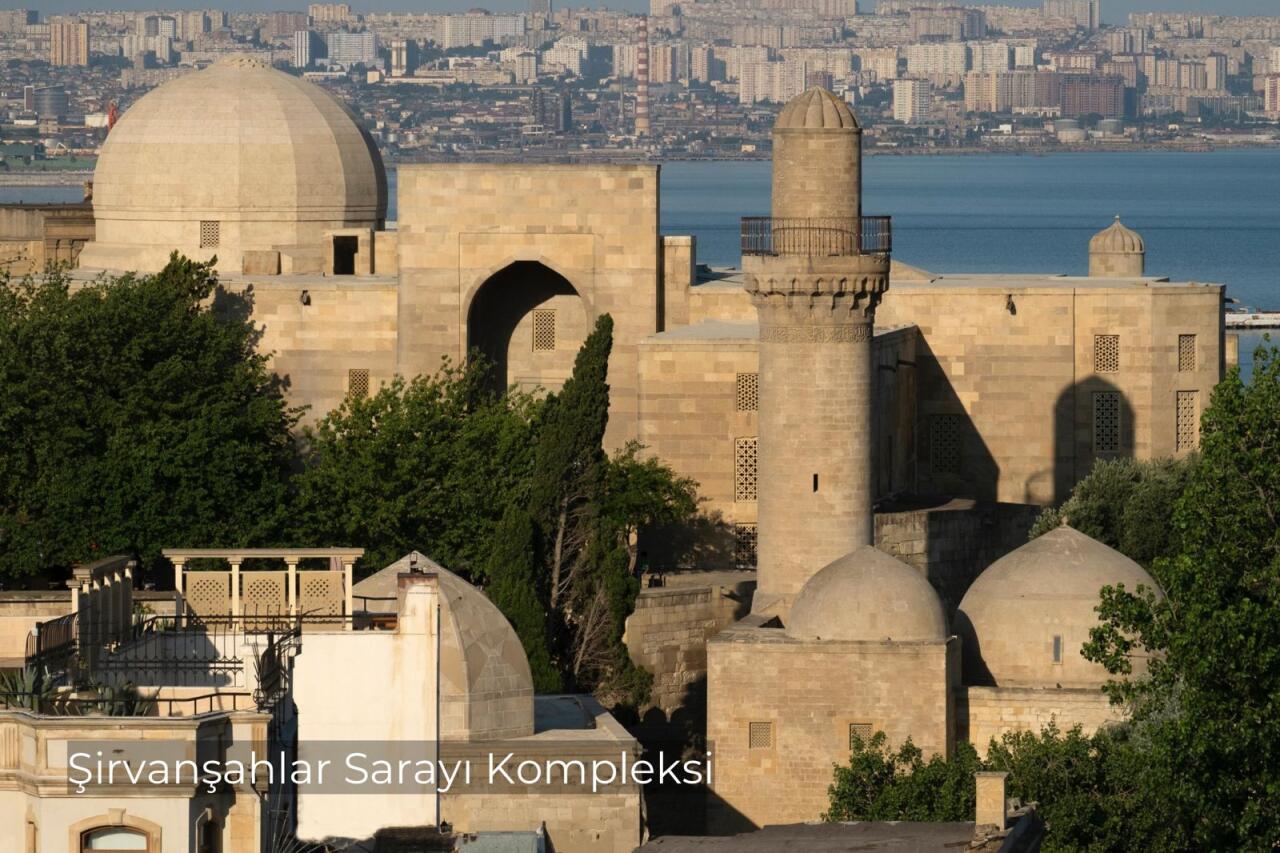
pixel 817 237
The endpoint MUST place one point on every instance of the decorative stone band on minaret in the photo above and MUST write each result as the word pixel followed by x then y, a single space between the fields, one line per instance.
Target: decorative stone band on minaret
pixel 815 271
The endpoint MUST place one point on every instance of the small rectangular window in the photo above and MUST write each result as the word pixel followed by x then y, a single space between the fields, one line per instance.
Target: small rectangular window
pixel 745 455
pixel 357 383
pixel 860 732
pixel 544 330
pixel 1057 648
pixel 944 444
pixel 1106 422
pixel 748 392
pixel 1186 353
pixel 760 735
pixel 1106 353
pixel 745 540
pixel 210 234
pixel 1188 425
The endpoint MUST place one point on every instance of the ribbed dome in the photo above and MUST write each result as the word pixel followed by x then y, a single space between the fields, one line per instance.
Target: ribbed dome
pixel 270 158
pixel 867 595
pixel 1047 588
pixel 1117 239
pixel 816 109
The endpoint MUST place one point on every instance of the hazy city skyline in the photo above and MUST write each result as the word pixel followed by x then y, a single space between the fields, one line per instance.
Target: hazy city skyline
pixel 1113 11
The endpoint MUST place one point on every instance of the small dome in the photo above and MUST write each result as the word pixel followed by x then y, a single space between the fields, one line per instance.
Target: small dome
pixel 1025 619
pixel 867 595
pixel 486 688
pixel 816 109
pixel 1116 239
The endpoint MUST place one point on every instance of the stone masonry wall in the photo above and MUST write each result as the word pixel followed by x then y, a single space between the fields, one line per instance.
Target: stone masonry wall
pixel 983 713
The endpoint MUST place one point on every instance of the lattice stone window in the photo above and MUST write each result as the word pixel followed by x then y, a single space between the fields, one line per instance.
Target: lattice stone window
pixel 210 234
pixel 1106 353
pixel 357 383
pixel 1106 422
pixel 748 392
pixel 859 732
pixel 760 735
pixel 544 329
pixel 1186 352
pixel 744 546
pixel 944 444
pixel 745 456
pixel 1188 420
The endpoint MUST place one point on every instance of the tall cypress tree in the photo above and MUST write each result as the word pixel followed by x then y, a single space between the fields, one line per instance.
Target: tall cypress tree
pixel 569 461
pixel 513 568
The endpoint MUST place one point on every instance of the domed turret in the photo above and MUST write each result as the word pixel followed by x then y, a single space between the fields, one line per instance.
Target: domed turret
pixel 817 159
pixel 237 157
pixel 1025 619
pixel 816 109
pixel 867 595
pixel 1117 252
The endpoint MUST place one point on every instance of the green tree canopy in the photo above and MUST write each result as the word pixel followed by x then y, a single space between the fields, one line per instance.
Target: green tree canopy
pixel 430 464
pixel 135 414
pixel 1125 503
pixel 1211 708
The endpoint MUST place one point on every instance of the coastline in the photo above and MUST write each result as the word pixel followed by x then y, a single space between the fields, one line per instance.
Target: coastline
pixel 67 178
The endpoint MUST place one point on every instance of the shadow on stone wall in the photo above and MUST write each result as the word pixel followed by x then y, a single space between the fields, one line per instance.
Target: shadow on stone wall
pixel 502 302
pixel 951 456
pixel 1081 421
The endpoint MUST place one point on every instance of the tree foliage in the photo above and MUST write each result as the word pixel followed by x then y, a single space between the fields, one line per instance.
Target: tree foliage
pixel 1126 504
pixel 1211 707
pixel 430 464
pixel 882 784
pixel 135 414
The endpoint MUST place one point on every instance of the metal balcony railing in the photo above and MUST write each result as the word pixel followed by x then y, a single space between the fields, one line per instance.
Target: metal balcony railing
pixel 835 236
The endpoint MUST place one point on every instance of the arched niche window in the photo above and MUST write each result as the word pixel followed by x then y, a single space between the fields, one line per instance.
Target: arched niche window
pixel 116 839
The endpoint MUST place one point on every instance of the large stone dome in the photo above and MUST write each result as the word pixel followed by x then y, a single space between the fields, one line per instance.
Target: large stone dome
pixel 867 595
pixel 234 158
pixel 1025 619
pixel 816 109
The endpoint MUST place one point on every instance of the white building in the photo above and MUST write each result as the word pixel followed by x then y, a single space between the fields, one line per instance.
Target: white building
pixel 912 101
pixel 770 81
pixel 352 48
pixel 990 56
pixel 943 64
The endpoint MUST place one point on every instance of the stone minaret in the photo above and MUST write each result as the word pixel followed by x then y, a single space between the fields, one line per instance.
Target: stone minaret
pixel 815 272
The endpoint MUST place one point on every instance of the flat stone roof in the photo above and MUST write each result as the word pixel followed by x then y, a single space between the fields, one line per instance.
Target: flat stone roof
pixel 1047 281
pixel 727 331
pixel 825 838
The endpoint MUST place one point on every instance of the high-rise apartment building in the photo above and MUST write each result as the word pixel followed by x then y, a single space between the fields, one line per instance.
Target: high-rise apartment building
pixel 943 64
pixel 404 57
pixel 307 48
pixel 1271 95
pixel 779 80
pixel 352 48
pixel 951 23
pixel 1092 94
pixel 329 13
pixel 552 110
pixel 284 24
pixel 540 7
pixel 1084 13
pixel 68 41
pixel 884 62
pixel 990 56
pixel 912 101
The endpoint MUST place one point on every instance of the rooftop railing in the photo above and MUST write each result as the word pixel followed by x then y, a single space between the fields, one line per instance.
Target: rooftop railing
pixel 817 237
